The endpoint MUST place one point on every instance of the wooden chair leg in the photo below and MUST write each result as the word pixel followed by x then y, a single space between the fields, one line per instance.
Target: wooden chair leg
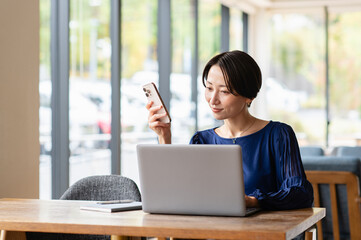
pixel 310 234
pixel 115 237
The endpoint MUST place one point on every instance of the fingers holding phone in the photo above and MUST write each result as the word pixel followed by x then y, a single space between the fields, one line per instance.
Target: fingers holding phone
pixel 155 114
pixel 152 94
pixel 158 118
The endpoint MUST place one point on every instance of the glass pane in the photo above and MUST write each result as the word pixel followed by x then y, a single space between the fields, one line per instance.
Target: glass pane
pixel 89 90
pixel 182 47
pixel 209 45
pixel 235 29
pixel 296 86
pixel 139 66
pixel 45 102
pixel 345 79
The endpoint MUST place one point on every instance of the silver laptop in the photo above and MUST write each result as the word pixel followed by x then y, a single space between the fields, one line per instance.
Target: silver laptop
pixel 192 179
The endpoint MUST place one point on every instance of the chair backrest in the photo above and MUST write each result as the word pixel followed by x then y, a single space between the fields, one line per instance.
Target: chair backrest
pixel 93 188
pixel 336 187
pixel 349 151
pixel 311 151
pixel 103 188
pixel 333 179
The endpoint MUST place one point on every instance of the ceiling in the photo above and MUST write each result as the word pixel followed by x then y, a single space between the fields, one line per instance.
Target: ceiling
pixel 252 5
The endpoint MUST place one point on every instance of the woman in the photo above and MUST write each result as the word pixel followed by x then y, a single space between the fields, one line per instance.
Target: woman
pixel 273 172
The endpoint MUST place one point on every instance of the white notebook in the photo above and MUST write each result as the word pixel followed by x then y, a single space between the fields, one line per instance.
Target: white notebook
pixel 118 207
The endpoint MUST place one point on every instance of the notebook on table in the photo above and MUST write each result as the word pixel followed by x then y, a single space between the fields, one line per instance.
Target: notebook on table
pixel 112 206
pixel 192 179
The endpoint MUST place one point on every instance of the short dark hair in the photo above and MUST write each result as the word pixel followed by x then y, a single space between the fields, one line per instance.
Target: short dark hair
pixel 241 73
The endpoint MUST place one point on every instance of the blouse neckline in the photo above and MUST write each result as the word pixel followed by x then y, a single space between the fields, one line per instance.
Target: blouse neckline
pixel 257 132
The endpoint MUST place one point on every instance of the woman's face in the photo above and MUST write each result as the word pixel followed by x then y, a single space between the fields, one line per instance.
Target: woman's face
pixel 223 104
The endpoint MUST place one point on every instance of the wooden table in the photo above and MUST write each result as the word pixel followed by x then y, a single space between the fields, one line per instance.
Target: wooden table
pixel 21 215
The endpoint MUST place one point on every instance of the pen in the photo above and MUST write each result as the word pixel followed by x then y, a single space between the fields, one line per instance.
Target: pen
pixel 115 201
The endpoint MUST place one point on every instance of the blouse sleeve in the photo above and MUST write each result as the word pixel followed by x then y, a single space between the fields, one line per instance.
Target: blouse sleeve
pixel 294 189
pixel 195 139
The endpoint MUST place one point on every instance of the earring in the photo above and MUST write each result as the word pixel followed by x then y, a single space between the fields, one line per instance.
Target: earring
pixel 249 104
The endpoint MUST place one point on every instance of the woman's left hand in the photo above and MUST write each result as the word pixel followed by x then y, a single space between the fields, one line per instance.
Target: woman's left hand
pixel 251 201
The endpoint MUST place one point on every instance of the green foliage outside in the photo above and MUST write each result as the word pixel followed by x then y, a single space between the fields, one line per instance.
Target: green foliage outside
pixel 139 35
pixel 298 61
pixel 345 62
pixel 45 36
pixel 209 31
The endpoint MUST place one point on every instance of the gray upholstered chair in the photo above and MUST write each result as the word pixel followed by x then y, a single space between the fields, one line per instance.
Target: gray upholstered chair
pixel 349 151
pixel 311 151
pixel 102 188
pixel 93 188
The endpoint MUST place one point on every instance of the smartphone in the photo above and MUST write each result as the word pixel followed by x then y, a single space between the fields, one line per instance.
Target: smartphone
pixel 151 92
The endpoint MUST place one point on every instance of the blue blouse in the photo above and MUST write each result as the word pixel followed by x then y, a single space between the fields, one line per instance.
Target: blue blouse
pixel 272 166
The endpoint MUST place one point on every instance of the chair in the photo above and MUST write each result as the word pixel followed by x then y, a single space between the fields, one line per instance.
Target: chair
pixel 311 151
pixel 93 188
pixel 349 151
pixel 335 182
pixel 103 188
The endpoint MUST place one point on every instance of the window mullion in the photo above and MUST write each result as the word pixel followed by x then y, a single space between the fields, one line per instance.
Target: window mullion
pixel 164 50
pixel 115 31
pixel 60 96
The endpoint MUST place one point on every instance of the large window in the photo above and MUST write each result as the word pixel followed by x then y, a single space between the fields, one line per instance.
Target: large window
pixel 182 51
pixel 89 57
pixel 139 66
pixel 295 89
pixel 45 102
pixel 296 86
pixel 209 45
pixel 345 79
pixel 89 88
pixel 298 92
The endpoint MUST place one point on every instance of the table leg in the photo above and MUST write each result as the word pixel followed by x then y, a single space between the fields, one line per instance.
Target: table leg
pixel 11 235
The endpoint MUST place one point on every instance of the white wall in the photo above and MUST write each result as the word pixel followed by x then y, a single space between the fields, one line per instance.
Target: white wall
pixel 19 98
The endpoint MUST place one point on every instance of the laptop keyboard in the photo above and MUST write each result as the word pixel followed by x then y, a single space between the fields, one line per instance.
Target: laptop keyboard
pixel 251 210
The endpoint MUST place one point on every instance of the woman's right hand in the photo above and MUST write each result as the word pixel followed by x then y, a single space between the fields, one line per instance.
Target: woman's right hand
pixel 251 202
pixel 161 129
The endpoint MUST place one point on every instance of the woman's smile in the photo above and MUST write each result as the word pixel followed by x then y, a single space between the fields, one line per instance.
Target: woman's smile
pixel 216 110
